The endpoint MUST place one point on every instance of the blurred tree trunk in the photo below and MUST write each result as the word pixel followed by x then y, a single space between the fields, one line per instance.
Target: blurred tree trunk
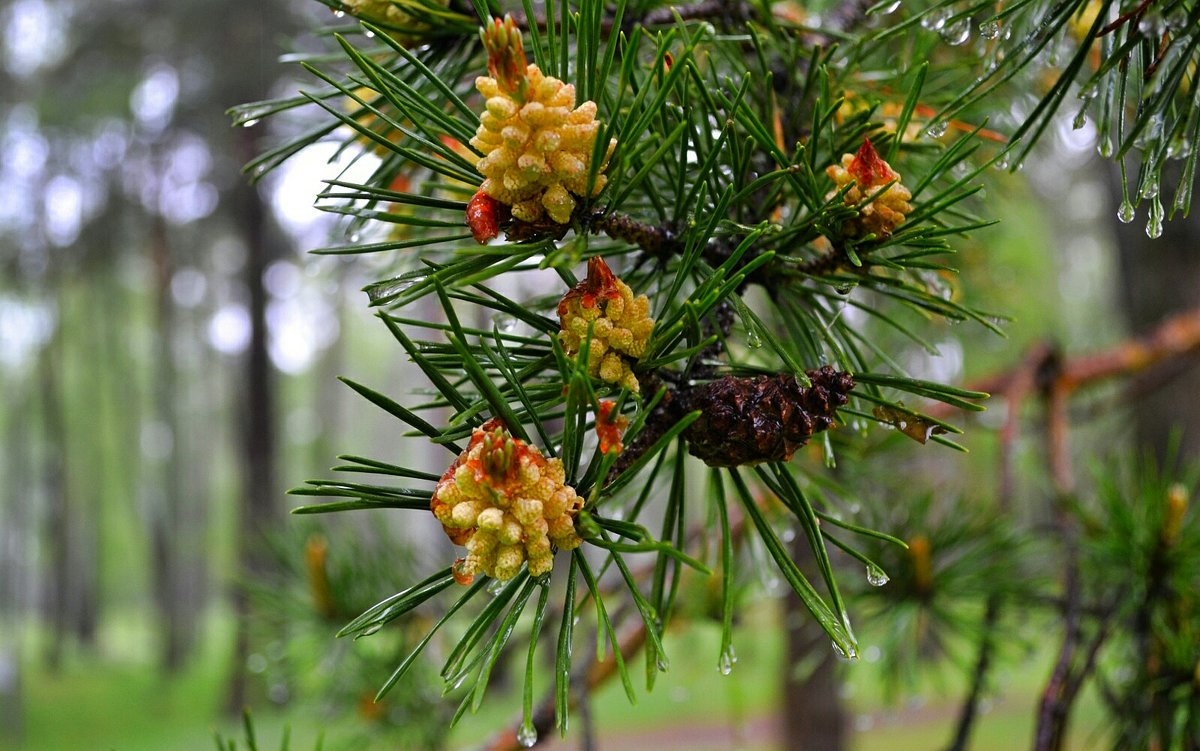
pixel 1160 277
pixel 56 581
pixel 14 530
pixel 202 413
pixel 259 512
pixel 247 35
pixel 813 717
pixel 90 430
pixel 168 535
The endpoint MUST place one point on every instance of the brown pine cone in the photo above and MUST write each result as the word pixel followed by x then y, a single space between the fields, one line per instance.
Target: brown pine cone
pixel 764 418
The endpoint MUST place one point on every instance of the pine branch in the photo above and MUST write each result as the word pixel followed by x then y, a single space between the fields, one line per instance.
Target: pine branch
pixel 1015 393
pixel 701 151
pixel 658 242
pixel 1176 338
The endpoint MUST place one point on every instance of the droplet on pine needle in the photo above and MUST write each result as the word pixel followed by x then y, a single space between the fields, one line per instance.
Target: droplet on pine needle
pixel 909 423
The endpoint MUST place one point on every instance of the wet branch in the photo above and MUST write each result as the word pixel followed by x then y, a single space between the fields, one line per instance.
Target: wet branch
pixel 1057 697
pixel 1174 339
pixel 1018 389
pixel 1057 378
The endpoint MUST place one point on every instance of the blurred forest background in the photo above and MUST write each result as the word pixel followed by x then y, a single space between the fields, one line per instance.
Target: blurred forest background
pixel 168 359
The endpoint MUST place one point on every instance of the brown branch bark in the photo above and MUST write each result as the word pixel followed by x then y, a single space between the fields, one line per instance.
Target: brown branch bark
pixel 1059 379
pixel 1058 696
pixel 654 240
pixel 1176 337
pixel 1018 389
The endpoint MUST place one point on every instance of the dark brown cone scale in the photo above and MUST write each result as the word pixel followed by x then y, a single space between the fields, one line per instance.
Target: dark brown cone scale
pixel 764 418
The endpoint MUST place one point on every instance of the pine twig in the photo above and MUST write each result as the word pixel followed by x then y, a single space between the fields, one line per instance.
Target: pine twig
pixel 1018 389
pixel 834 260
pixel 1058 696
pixel 983 662
pixel 654 240
pixel 1175 338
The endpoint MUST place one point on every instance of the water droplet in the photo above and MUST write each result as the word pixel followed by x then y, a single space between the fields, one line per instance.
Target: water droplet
pixel 989 29
pixel 1152 132
pixel 957 33
pixel 662 663
pixel 849 654
pixel 527 736
pixel 1182 199
pixel 888 10
pixel 339 14
pixel 1154 227
pixel 753 340
pixel 1179 148
pixel 1126 213
pixel 876 576
pixel 937 130
pixel 371 35
pixel 850 631
pixel 728 658
pixel 1002 163
pixel 505 323
pixel 250 123
pixel 1079 121
pixel 845 288
pixel 1150 189
pixel 1105 147
pixel 354 237
pixel 935 19
pixel 495 587
pixel 260 170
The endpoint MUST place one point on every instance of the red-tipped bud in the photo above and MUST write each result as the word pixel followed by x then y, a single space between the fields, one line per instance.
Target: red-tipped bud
pixel 610 427
pixel 483 217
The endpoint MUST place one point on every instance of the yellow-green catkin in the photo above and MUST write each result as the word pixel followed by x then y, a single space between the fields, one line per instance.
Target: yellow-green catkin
pixel 507 504
pixel 537 145
pixel 866 173
pixel 620 324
